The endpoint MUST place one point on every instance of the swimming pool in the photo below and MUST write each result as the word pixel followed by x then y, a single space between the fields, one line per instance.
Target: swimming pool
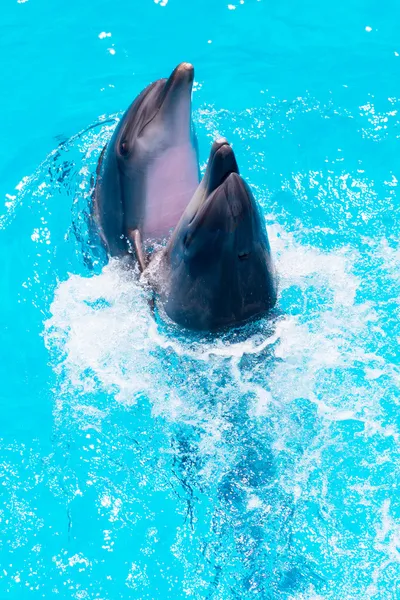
pixel 138 461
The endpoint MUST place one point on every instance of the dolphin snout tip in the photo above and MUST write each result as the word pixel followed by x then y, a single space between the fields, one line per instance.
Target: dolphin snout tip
pixel 223 151
pixel 221 141
pixel 220 145
pixel 185 68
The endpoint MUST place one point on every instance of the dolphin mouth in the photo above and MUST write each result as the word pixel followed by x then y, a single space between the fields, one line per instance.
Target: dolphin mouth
pixel 222 172
pixel 181 75
pixel 184 70
pixel 222 164
pixel 229 202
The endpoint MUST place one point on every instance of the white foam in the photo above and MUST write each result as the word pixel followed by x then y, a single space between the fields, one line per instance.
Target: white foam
pixel 105 331
pixel 97 326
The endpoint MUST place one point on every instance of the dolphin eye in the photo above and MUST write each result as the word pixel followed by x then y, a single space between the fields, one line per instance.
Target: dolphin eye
pixel 243 255
pixel 123 148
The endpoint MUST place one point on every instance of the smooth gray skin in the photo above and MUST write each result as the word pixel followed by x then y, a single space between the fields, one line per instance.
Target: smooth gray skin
pixel 216 270
pixel 149 171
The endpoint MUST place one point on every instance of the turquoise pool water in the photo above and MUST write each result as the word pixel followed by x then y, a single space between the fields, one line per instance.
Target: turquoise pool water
pixel 137 461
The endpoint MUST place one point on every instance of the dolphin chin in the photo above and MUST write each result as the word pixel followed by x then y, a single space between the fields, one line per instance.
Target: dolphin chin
pixel 217 269
pixel 149 171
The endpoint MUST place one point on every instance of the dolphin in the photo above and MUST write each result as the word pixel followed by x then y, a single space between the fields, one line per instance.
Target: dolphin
pixel 216 270
pixel 149 171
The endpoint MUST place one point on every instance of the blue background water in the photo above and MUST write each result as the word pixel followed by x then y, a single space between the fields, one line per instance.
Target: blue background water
pixel 140 462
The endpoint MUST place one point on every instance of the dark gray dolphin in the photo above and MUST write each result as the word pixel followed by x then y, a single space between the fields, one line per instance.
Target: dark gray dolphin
pixel 148 172
pixel 216 270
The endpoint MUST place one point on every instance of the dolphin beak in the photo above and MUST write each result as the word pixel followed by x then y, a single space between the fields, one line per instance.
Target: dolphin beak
pixel 221 164
pixel 181 78
pixel 184 70
pixel 176 100
pixel 217 144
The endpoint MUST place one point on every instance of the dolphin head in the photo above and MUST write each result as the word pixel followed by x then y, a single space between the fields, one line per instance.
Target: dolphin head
pixel 160 113
pixel 218 260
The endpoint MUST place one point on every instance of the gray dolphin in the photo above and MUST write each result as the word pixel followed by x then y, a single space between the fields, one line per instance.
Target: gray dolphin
pixel 216 270
pixel 148 172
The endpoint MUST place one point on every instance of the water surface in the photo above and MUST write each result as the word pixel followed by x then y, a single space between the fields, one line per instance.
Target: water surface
pixel 140 461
